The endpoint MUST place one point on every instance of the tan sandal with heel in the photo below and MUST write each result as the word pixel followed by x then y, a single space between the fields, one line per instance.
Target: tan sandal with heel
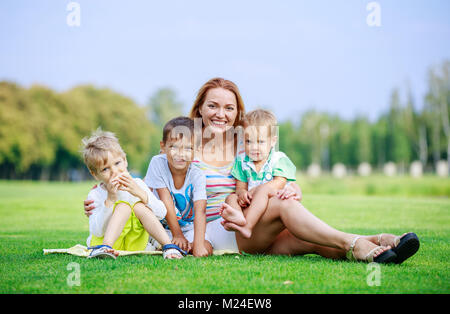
pixel 386 257
pixel 405 246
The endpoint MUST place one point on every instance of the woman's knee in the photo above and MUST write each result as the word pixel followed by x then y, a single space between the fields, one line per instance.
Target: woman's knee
pixel 278 205
pixel 289 205
pixel 274 207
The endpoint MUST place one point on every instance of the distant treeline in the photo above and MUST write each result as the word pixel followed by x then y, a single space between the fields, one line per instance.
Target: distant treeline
pixel 41 130
pixel 401 135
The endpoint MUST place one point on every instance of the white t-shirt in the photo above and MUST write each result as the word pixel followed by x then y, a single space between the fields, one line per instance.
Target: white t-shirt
pixel 194 189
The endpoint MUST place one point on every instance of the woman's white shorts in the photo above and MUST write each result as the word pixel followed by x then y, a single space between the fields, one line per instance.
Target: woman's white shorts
pixel 215 234
pixel 220 238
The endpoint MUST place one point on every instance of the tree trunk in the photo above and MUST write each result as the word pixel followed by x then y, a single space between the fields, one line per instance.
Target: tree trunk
pixel 446 126
pixel 435 144
pixel 423 145
pixel 448 157
pixel 45 174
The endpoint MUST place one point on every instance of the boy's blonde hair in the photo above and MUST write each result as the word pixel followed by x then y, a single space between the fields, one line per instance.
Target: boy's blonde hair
pixel 96 147
pixel 261 117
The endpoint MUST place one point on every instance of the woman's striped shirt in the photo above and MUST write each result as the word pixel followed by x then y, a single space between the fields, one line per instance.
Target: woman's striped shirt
pixel 219 184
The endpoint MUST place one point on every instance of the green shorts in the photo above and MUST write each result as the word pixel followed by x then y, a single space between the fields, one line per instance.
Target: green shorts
pixel 133 236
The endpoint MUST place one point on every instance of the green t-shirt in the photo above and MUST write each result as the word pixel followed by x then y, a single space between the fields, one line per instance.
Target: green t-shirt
pixel 277 165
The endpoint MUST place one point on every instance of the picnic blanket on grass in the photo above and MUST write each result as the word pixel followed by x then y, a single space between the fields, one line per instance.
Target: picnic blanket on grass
pixel 82 251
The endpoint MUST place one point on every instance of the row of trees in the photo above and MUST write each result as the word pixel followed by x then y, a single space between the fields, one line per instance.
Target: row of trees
pixel 41 130
pixel 402 134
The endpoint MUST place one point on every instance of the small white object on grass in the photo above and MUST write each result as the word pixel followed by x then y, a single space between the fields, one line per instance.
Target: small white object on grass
pixel 339 170
pixel 442 168
pixel 416 169
pixel 314 171
pixel 364 169
pixel 390 169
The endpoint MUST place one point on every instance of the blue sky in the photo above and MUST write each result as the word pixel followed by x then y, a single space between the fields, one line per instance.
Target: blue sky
pixel 288 56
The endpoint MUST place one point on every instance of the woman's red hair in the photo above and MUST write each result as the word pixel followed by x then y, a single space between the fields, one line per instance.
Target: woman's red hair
pixel 218 83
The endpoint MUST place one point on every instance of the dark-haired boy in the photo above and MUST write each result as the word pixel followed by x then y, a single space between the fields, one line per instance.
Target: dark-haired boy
pixel 181 186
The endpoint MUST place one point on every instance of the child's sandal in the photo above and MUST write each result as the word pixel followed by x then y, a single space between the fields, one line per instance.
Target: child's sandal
pixel 100 251
pixel 173 249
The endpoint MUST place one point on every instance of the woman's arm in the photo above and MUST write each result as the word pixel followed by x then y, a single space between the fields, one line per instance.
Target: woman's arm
pixel 89 206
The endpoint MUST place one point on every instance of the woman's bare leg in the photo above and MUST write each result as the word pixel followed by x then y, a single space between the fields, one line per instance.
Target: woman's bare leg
pixel 286 244
pixel 305 226
pixel 265 231
pixel 302 225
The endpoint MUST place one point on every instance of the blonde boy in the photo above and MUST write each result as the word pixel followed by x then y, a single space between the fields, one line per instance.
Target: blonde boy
pixel 126 211
pixel 259 174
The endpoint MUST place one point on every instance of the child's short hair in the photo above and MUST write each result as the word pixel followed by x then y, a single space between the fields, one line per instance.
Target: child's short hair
pixel 177 128
pixel 261 117
pixel 96 147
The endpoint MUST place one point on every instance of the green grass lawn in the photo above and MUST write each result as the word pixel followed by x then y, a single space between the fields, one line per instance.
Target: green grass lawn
pixel 38 215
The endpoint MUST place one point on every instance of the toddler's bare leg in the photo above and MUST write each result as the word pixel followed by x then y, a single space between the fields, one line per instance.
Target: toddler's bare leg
pixel 254 212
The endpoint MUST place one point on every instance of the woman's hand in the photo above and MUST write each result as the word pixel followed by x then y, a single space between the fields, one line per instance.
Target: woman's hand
pixel 88 207
pixel 290 191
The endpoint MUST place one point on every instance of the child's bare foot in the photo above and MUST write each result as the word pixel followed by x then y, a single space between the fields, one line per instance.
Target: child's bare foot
pixel 232 214
pixel 244 231
pixel 224 223
pixel 112 251
pixel 228 226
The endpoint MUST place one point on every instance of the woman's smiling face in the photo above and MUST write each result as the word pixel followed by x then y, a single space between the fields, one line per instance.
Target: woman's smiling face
pixel 219 111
